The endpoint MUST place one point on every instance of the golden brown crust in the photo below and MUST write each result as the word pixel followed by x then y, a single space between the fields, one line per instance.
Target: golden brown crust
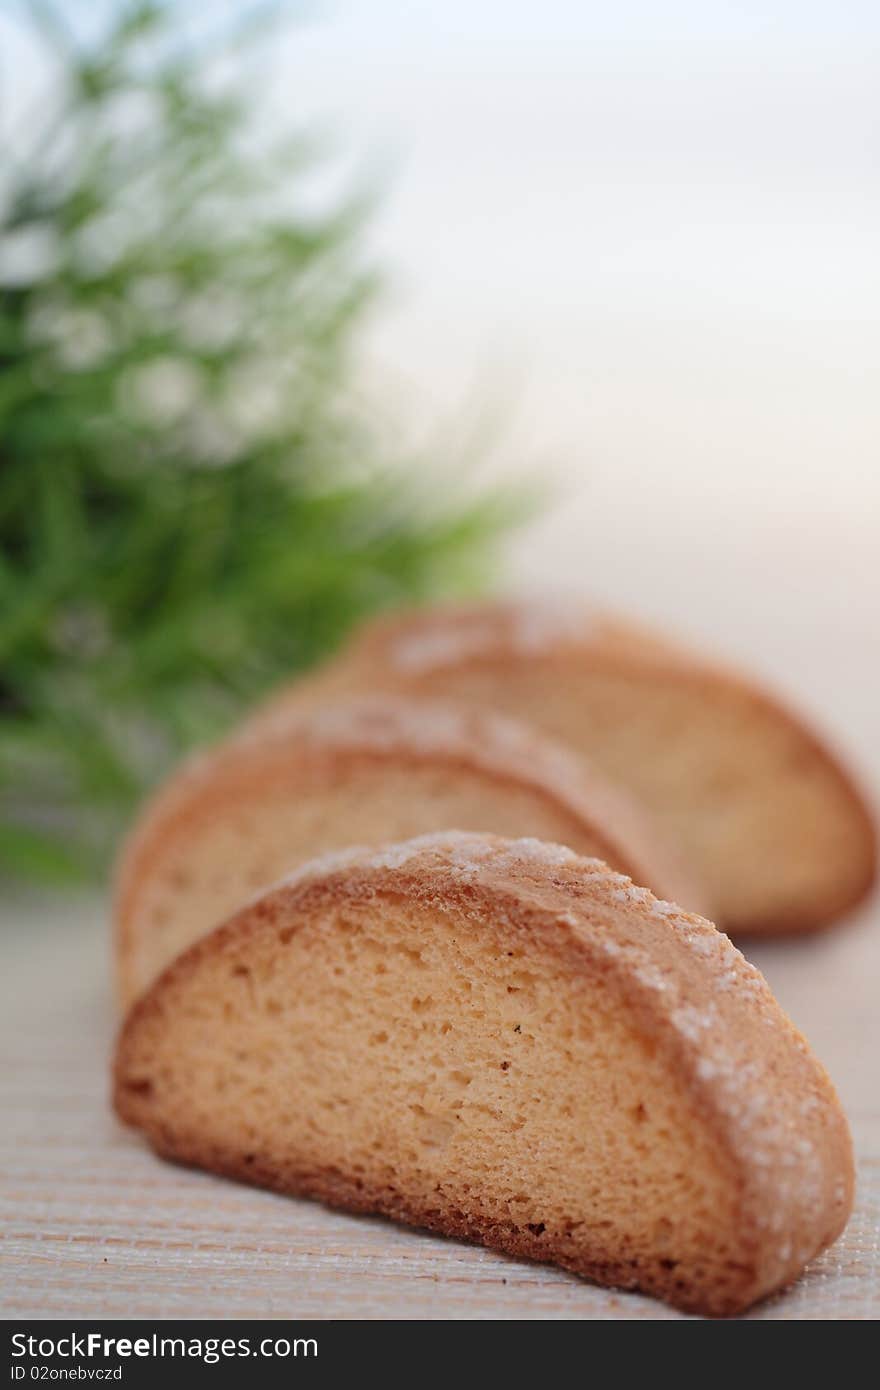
pixel 758 1092
pixel 386 730
pixel 410 651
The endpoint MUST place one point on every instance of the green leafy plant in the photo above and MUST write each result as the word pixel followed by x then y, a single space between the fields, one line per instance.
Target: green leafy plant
pixel 193 501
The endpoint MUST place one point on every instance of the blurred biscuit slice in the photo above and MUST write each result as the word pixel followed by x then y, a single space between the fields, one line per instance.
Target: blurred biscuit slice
pixel 756 804
pixel 358 771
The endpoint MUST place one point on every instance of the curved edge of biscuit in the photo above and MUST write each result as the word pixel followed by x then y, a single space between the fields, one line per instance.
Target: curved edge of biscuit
pixel 749 1073
pixel 410 729
pixel 409 643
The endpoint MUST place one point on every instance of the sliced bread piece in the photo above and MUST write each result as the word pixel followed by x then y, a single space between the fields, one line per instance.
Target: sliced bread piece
pixel 776 830
pixel 360 771
pixel 501 1041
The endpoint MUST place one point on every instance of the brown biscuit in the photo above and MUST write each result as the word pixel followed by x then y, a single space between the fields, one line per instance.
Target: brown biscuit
pixel 501 1041
pixel 358 771
pixel 762 812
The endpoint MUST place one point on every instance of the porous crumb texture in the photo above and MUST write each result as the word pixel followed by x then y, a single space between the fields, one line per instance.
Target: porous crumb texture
pixel 505 1042
pixel 356 771
pixel 779 835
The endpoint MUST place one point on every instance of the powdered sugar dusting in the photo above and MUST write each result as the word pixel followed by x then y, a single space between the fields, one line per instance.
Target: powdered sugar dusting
pixel 651 977
pixel 771 1132
pixel 693 1022
pixel 770 1129
pixel 631 893
pixel 460 850
pixel 665 909
pixel 527 627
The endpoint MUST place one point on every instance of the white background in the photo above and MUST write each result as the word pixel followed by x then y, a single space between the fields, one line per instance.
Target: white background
pixel 646 237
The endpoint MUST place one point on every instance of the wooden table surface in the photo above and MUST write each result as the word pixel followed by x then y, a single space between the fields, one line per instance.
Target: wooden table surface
pixel 94 1224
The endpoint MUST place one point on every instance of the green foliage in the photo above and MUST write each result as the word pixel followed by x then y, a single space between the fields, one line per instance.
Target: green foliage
pixel 192 501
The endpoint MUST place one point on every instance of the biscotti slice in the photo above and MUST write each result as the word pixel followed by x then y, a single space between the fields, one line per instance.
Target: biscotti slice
pixel 777 831
pixel 501 1041
pixel 360 771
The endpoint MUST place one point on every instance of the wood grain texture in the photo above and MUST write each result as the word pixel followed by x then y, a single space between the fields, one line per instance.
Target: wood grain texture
pixel 95 1225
